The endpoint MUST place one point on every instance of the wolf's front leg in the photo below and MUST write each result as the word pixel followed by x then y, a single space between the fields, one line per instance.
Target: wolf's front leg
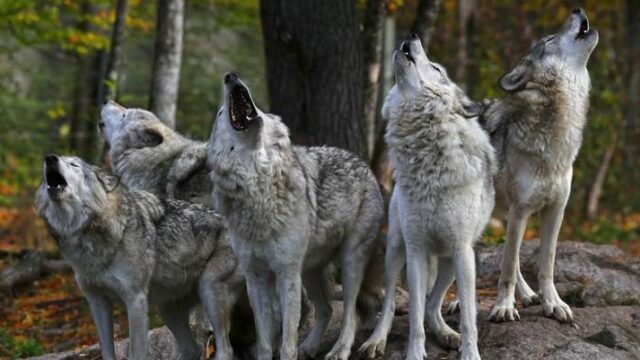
pixel 138 316
pixel 464 262
pixel 416 277
pixel 259 291
pixel 552 304
pixel 395 258
pixel 101 311
pixel 218 298
pixel 504 308
pixel 289 287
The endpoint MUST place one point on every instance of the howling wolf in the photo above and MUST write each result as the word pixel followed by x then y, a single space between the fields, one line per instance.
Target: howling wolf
pixel 129 245
pixel 291 210
pixel 443 164
pixel 537 131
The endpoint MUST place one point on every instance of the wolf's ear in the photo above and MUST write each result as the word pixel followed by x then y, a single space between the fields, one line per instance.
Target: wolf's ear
pixel 469 108
pixel 516 79
pixel 108 181
pixel 147 138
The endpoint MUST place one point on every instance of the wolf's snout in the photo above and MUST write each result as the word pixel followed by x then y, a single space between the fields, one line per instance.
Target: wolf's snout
pixel 413 36
pixel 230 76
pixel 578 11
pixel 51 160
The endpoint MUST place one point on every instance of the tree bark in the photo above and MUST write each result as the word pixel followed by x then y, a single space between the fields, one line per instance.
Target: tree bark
pixel 425 20
pixel 465 24
pixel 167 59
pixel 595 191
pixel 32 267
pixel 114 63
pixel 314 71
pixel 373 26
pixel 632 106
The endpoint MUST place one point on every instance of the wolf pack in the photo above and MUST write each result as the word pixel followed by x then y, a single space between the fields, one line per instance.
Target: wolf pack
pixel 247 215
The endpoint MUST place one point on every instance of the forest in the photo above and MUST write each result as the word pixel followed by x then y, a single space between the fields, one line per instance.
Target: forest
pixel 323 66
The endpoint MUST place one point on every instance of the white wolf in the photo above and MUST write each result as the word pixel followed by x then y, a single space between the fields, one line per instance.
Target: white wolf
pixel 443 165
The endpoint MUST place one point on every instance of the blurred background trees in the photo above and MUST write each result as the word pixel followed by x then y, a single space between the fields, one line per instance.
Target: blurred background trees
pixel 318 64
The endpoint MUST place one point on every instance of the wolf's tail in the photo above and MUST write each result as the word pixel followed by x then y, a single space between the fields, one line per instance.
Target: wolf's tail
pixel 371 291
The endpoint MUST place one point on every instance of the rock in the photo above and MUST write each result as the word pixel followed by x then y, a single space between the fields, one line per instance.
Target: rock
pixel 600 282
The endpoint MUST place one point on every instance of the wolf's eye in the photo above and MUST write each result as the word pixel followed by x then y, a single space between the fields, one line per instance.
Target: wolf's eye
pixel 74 165
pixel 437 69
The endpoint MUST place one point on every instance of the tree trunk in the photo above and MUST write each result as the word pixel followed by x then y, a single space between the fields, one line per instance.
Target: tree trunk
pixel 595 191
pixel 465 25
pixel 114 63
pixel 167 59
pixel 425 20
pixel 372 32
pixel 632 106
pixel 314 71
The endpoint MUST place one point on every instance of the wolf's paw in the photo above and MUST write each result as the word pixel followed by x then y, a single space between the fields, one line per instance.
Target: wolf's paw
pixel 470 355
pixel 307 350
pixel 530 300
pixel 449 340
pixel 416 352
pixel 558 310
pixel 339 352
pixel 372 348
pixel 501 313
pixel 453 307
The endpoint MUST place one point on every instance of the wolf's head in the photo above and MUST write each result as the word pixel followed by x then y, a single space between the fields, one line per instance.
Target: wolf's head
pixel 425 84
pixel 565 52
pixel 131 128
pixel 70 191
pixel 240 125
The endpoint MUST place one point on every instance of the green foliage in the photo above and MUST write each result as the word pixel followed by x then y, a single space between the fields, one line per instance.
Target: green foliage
pixel 20 348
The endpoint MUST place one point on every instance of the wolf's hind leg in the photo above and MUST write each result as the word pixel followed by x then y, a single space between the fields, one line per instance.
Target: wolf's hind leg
pixel 218 298
pixel 395 259
pixel 355 257
pixel 552 304
pixel 526 295
pixel 101 311
pixel 176 316
pixel 447 337
pixel 317 288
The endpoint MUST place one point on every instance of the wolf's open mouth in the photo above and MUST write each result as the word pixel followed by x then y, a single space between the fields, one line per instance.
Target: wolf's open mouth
pixel 584 29
pixel 55 180
pixel 406 50
pixel 241 109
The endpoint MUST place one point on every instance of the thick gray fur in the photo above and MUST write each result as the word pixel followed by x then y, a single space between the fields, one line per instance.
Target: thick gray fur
pixel 291 210
pixel 130 246
pixel 149 155
pixel 443 166
pixel 537 132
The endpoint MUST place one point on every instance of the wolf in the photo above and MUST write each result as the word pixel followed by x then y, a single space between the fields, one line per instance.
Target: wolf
pixel 290 211
pixel 443 164
pixel 130 246
pixel 537 132
pixel 146 154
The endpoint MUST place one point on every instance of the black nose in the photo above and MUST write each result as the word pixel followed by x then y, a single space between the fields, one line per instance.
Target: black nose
pixel 101 124
pixel 51 159
pixel 578 11
pixel 230 76
pixel 413 36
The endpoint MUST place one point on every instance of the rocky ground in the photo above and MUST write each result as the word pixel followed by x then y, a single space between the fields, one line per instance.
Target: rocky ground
pixel 600 282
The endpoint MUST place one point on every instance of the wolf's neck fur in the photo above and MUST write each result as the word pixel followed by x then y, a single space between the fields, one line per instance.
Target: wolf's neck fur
pixel 147 168
pixel 433 148
pixel 255 189
pixel 550 127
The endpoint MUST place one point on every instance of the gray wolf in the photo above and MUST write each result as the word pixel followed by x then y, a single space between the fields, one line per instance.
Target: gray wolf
pixel 290 211
pixel 537 132
pixel 443 165
pixel 130 246
pixel 149 155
